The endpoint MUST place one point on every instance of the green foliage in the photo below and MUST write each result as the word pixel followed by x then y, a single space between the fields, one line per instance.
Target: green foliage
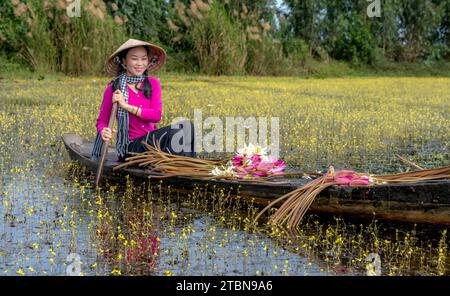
pixel 263 9
pixel 265 57
pixel 11 27
pixel 354 41
pixel 23 28
pixel 219 43
pixel 12 64
pixel 421 20
pixel 296 48
pixel 226 37
pixel 302 17
pixel 142 19
pixel 416 30
pixel 42 35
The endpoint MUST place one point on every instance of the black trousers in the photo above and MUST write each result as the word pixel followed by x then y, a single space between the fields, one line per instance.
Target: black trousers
pixel 177 141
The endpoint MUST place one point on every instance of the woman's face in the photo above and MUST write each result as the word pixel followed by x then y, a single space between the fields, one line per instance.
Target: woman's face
pixel 136 61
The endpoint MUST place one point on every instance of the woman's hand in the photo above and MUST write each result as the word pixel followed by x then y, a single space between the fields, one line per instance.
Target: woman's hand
pixel 107 134
pixel 118 97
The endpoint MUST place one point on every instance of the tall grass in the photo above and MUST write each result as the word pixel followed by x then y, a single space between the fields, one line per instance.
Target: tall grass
pixel 265 57
pixel 233 41
pixel 219 43
pixel 210 37
pixel 48 40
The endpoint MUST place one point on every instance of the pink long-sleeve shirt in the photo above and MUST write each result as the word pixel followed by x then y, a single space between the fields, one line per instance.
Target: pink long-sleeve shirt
pixel 150 114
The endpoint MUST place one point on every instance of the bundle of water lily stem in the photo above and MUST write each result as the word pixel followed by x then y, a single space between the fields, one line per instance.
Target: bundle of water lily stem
pixel 251 164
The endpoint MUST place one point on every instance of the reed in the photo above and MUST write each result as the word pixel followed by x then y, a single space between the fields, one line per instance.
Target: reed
pixel 168 164
pixel 165 165
pixel 48 40
pixel 298 201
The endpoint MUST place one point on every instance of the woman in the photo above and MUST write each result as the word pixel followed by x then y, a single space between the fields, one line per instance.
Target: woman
pixel 139 105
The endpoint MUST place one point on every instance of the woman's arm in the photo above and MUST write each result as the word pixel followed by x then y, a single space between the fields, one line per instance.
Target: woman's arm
pixel 131 109
pixel 105 110
pixel 153 113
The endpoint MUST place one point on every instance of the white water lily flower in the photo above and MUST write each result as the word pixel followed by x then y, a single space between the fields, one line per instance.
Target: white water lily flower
pixel 251 150
pixel 227 171
pixel 266 158
pixel 216 172
pixel 246 150
pixel 247 162
pixel 260 150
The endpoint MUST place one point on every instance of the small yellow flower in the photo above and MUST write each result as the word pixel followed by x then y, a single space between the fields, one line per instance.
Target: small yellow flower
pixel 116 272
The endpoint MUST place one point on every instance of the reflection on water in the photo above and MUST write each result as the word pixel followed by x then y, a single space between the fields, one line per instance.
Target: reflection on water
pixel 49 215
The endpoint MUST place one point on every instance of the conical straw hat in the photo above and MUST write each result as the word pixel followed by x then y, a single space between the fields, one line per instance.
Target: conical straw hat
pixel 157 56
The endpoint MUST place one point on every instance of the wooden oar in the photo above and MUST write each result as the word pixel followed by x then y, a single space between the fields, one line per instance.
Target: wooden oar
pixel 112 118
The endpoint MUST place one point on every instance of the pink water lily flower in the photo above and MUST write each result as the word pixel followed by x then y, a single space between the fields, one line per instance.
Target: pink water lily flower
pixel 264 166
pixel 278 167
pixel 252 161
pixel 238 160
pixel 259 174
pixel 353 181
pixel 344 173
pixel 360 182
pixel 349 178
pixel 242 175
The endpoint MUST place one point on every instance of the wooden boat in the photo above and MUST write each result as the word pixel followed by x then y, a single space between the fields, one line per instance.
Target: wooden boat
pixel 424 202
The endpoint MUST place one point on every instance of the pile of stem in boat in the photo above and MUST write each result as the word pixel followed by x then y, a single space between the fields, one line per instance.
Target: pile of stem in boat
pixel 297 202
pixel 164 165
pixel 416 176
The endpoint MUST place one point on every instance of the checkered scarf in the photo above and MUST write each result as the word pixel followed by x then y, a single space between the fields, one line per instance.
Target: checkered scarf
pixel 123 122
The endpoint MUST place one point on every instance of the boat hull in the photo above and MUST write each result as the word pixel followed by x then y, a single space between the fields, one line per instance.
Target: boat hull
pixel 427 202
